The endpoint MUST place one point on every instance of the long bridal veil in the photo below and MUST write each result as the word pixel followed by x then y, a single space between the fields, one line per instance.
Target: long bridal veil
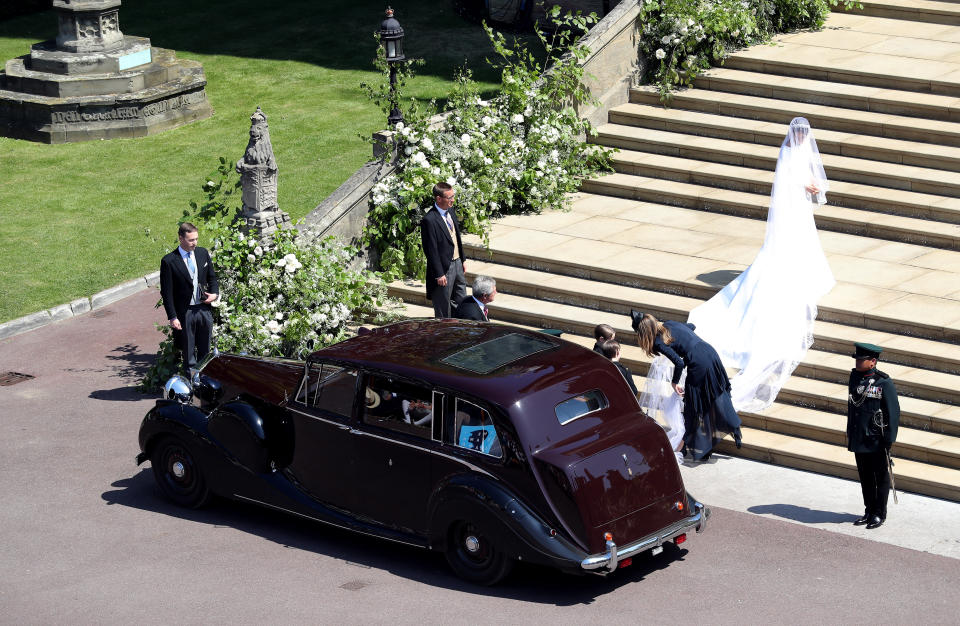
pixel 762 322
pixel 661 402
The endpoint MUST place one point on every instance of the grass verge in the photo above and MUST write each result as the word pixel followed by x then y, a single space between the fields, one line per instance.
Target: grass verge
pixel 78 218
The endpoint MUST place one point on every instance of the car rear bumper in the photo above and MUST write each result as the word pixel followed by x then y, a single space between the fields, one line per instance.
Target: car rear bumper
pixel 607 562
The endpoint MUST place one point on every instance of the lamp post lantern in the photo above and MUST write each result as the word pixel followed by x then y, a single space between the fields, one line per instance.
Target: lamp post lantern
pixel 391 37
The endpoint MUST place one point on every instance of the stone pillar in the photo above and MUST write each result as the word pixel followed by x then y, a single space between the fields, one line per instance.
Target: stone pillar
pixel 258 178
pixel 88 25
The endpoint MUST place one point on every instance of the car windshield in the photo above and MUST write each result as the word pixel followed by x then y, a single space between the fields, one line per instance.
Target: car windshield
pixel 485 357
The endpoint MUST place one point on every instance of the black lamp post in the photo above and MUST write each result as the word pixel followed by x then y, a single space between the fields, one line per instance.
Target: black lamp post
pixel 391 36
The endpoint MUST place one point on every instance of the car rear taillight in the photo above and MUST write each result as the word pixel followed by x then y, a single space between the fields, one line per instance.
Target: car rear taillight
pixel 680 539
pixel 678 505
pixel 624 563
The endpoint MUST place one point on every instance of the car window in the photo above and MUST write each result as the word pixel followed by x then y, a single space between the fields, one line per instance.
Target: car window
pixel 473 429
pixel 330 388
pixel 398 405
pixel 580 405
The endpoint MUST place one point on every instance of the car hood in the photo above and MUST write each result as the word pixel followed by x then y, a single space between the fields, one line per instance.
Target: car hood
pixel 627 484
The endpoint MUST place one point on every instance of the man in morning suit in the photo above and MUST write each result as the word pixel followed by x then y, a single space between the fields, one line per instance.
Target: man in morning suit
pixel 440 236
pixel 873 414
pixel 475 307
pixel 188 284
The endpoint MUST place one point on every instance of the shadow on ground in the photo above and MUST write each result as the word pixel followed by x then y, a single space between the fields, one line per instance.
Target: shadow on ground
pixel 527 583
pixel 803 514
pixel 719 278
pixel 131 367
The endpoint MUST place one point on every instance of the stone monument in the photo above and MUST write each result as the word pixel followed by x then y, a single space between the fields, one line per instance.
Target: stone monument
pixel 258 179
pixel 94 82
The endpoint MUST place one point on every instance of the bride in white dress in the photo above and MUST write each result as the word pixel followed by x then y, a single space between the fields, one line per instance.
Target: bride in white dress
pixel 762 322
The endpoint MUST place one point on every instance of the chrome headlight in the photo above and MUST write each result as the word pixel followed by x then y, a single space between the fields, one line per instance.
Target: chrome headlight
pixel 178 388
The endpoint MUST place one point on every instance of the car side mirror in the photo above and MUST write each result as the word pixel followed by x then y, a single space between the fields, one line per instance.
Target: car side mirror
pixel 207 389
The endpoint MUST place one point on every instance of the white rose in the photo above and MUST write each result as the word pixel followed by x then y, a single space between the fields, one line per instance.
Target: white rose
pixel 465 139
pixel 251 258
pixel 517 118
pixel 400 126
pixel 660 53
pixel 666 39
pixel 258 251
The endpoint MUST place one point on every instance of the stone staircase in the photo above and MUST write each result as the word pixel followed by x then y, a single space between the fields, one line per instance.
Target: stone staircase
pixel 684 213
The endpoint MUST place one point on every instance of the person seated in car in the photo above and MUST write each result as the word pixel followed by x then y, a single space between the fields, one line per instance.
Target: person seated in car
pixel 417 412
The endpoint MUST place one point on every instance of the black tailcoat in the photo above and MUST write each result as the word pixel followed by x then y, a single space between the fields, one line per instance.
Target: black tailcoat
pixel 176 286
pixel 437 245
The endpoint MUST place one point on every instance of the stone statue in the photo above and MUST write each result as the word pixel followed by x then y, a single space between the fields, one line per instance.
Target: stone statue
pixel 258 179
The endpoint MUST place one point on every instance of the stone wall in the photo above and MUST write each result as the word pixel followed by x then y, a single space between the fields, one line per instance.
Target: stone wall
pixel 614 64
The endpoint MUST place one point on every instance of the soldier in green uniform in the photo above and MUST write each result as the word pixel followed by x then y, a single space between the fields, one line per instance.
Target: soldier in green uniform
pixel 873 414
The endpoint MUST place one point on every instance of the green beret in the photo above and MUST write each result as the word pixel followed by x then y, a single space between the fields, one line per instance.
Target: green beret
pixel 867 351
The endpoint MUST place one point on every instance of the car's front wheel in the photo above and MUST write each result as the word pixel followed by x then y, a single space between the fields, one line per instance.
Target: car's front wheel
pixel 178 474
pixel 474 555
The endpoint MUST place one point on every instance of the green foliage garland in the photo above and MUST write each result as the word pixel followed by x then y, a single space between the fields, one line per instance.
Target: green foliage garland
pixel 283 297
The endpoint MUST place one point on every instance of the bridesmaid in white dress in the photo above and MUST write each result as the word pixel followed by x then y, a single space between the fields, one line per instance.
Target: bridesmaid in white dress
pixel 762 322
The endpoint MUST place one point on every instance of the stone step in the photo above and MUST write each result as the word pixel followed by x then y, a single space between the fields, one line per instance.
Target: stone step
pixel 911 10
pixel 164 68
pixel 863 50
pixel 929 369
pixel 660 189
pixel 771 134
pixel 821 117
pixel 761 160
pixel 798 421
pixel 689 253
pixel 579 321
pixel 867 199
pixel 832 94
pixel 833 460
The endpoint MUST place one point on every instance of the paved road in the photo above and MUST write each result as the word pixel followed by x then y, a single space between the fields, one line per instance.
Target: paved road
pixel 87 538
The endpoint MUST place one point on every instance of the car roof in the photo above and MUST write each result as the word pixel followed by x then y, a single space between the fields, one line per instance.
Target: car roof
pixel 496 362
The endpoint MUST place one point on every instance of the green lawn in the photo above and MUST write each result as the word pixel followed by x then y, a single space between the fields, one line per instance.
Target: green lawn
pixel 74 217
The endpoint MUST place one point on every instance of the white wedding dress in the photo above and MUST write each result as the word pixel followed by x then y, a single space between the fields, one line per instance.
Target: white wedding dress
pixel 762 322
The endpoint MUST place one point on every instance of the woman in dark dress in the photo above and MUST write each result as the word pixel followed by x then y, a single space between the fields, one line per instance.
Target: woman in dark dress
pixel 708 412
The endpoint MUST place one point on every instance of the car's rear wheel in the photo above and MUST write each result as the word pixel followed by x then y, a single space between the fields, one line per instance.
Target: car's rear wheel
pixel 178 474
pixel 474 555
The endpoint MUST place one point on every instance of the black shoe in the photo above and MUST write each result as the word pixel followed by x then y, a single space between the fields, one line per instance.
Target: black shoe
pixel 875 522
pixel 738 438
pixel 863 520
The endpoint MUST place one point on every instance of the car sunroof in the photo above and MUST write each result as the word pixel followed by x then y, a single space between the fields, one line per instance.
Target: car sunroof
pixel 485 357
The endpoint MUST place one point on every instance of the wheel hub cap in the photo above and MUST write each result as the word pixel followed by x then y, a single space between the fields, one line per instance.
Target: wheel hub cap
pixel 472 543
pixel 177 469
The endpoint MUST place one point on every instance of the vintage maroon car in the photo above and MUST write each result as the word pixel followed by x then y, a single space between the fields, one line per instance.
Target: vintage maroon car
pixel 488 442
